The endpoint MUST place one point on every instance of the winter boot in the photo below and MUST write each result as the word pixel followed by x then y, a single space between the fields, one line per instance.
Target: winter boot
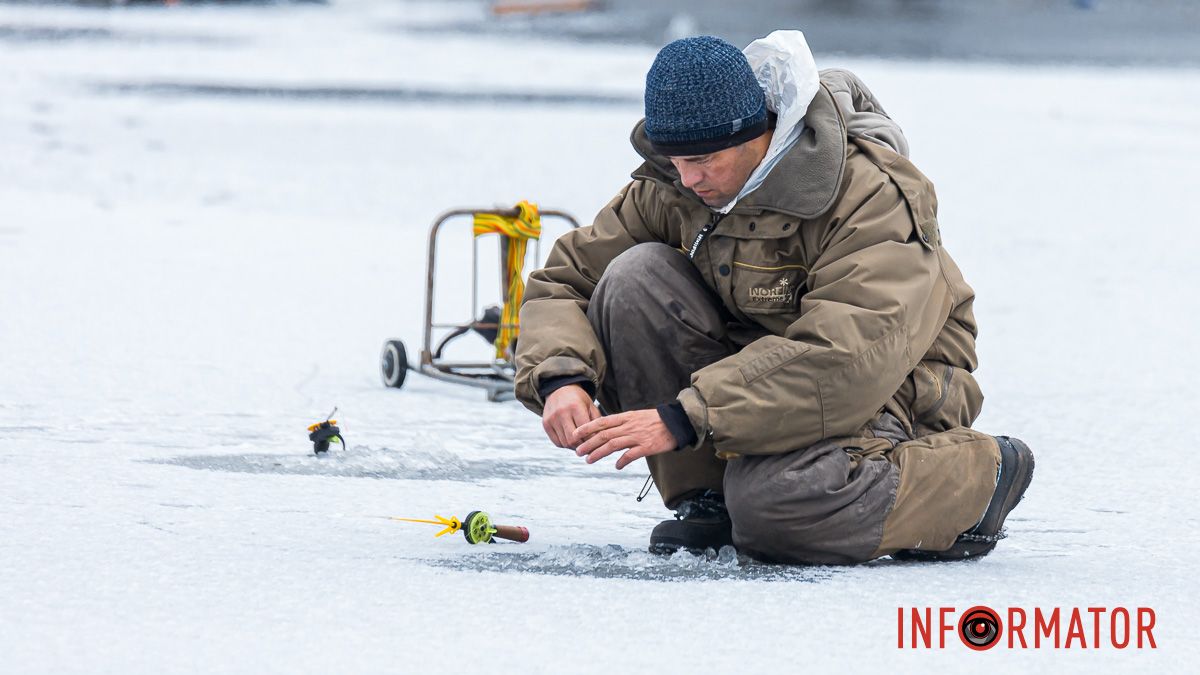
pixel 700 522
pixel 1016 470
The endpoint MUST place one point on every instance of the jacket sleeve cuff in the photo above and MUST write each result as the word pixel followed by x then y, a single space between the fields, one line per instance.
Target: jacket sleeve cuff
pixel 697 413
pixel 549 385
pixel 528 387
pixel 678 424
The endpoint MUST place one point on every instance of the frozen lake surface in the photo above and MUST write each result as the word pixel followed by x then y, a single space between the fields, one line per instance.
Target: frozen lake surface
pixel 207 229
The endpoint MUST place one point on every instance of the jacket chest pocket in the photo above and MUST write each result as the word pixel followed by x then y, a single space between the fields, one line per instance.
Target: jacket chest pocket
pixel 768 289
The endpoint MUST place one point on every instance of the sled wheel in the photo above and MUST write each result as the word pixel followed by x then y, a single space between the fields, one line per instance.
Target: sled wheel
pixel 393 364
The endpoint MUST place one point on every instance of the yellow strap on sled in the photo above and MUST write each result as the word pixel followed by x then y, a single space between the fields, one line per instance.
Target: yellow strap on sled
pixel 527 225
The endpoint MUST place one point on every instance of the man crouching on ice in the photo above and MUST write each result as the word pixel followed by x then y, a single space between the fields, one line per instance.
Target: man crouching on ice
pixel 767 315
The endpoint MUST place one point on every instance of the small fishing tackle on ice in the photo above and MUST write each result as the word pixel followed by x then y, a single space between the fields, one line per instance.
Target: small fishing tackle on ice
pixel 322 433
pixel 477 528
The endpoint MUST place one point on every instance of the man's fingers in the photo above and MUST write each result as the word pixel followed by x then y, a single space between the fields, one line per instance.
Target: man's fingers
pixel 586 431
pixel 579 417
pixel 633 455
pixel 596 440
pixel 559 428
pixel 565 430
pixel 551 431
pixel 593 413
pixel 610 447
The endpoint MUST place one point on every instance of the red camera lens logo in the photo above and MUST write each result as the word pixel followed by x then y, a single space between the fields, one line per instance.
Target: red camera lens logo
pixel 979 628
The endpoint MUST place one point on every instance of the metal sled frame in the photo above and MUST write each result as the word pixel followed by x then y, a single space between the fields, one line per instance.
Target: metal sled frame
pixel 495 376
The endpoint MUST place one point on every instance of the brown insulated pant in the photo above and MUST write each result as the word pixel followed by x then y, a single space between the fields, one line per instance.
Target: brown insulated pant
pixel 915 476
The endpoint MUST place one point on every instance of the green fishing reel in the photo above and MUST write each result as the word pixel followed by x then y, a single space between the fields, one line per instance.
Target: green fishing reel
pixel 477 528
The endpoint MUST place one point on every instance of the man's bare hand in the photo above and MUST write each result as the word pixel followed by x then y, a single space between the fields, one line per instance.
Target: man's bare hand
pixel 566 409
pixel 640 432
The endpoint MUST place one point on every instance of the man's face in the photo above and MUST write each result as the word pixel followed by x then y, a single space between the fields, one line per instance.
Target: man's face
pixel 718 177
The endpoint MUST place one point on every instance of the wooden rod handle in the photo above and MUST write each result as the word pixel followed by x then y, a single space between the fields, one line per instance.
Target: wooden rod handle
pixel 511 533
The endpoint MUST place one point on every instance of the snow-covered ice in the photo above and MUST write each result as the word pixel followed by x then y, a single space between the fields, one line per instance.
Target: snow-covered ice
pixel 189 280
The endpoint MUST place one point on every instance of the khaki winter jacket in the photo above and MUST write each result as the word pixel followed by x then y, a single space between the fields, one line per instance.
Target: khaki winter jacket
pixel 837 255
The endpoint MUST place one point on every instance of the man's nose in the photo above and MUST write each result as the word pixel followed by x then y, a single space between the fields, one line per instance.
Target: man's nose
pixel 690 177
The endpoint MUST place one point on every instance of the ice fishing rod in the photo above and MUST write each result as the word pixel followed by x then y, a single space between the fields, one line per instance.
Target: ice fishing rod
pixel 477 528
pixel 322 433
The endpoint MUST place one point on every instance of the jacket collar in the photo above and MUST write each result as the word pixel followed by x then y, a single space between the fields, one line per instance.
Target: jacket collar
pixel 804 183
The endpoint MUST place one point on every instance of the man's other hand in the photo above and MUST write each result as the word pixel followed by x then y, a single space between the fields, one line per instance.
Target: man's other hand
pixel 641 432
pixel 566 409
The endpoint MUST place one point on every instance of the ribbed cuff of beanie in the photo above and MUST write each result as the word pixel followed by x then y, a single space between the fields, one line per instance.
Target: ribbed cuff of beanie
pixel 688 148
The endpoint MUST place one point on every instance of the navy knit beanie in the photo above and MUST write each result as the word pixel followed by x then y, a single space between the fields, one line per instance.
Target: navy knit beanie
pixel 701 97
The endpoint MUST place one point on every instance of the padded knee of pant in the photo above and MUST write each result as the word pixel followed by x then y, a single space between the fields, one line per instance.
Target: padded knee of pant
pixel 798 507
pixel 632 268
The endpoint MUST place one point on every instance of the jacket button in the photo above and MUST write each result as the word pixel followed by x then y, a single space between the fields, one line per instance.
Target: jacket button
pixel 752 226
pixel 724 270
pixel 787 226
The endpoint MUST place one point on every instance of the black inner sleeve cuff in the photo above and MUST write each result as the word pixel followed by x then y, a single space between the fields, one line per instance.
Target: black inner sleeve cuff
pixel 678 424
pixel 550 385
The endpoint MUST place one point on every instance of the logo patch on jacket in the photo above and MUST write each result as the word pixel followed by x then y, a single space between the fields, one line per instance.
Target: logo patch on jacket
pixel 782 293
